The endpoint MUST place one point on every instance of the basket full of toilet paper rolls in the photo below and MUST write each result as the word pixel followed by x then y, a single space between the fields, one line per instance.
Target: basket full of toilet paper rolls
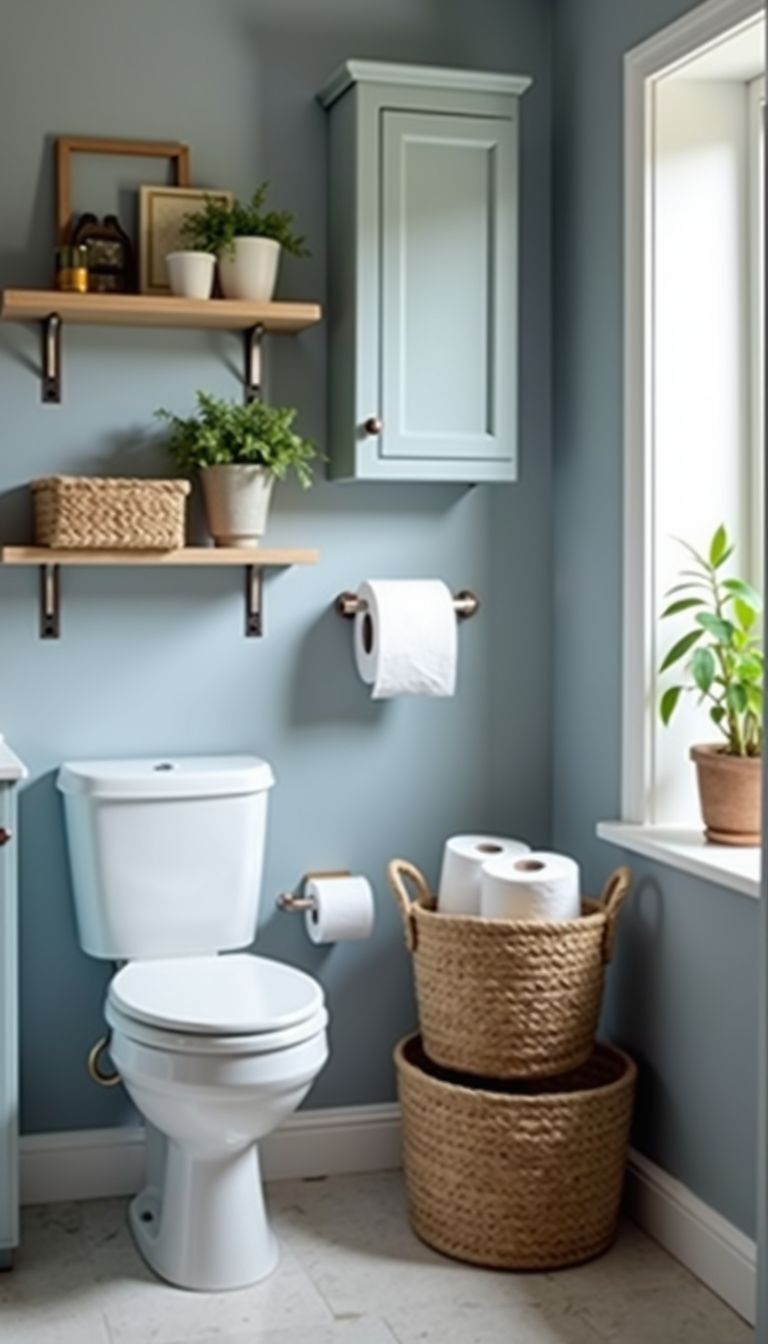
pixel 515 1120
pixel 509 959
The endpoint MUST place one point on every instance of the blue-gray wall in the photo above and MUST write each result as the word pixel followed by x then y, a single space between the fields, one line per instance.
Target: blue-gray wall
pixel 153 662
pixel 684 985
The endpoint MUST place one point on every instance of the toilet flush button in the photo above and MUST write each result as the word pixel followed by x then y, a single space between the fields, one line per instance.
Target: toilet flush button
pixel 164 765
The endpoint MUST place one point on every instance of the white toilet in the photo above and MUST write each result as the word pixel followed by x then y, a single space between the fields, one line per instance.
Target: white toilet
pixel 215 1051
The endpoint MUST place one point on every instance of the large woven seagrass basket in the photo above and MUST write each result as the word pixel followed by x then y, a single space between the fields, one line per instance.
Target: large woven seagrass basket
pixel 507 998
pixel 516 1175
pixel 103 513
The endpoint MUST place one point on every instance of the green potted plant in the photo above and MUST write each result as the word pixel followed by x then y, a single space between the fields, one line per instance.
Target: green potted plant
pixel 240 451
pixel 247 239
pixel 725 671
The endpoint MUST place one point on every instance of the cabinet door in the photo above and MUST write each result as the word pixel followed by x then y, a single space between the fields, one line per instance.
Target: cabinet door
pixel 9 1086
pixel 448 267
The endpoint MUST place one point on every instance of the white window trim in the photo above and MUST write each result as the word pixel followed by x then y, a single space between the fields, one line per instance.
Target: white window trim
pixel 644 65
pixel 756 94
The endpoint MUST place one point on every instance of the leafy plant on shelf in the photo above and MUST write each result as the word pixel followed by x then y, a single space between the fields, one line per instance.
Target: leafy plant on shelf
pixel 725 669
pixel 215 227
pixel 225 433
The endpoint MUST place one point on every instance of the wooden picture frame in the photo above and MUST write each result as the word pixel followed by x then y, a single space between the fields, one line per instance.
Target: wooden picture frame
pixel 67 145
pixel 161 210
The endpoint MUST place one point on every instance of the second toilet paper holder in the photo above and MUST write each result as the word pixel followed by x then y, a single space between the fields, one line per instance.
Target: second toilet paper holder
pixel 465 604
pixel 288 901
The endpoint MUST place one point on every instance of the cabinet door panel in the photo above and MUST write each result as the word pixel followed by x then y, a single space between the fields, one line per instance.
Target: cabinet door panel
pixel 448 273
pixel 9 1085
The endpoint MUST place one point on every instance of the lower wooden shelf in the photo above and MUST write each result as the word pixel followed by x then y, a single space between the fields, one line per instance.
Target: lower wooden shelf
pixel 254 560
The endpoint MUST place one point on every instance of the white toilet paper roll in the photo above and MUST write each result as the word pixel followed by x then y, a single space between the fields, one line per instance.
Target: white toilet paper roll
pixel 405 639
pixel 343 910
pixel 537 886
pixel 462 870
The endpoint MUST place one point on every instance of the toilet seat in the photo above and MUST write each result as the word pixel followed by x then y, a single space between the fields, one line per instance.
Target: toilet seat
pixel 224 999
pixel 186 1043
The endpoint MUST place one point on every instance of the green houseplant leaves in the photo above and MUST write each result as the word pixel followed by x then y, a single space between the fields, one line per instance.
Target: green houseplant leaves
pixel 725 668
pixel 225 433
pixel 215 227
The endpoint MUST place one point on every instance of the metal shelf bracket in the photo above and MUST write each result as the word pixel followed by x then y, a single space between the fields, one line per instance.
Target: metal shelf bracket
pixel 254 601
pixel 50 330
pixel 252 342
pixel 49 601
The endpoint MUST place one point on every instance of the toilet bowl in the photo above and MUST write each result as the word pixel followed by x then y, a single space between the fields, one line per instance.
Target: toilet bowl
pixel 215 1046
pixel 213 1067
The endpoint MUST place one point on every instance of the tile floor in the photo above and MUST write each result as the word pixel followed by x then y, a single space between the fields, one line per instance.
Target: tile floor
pixel 351 1273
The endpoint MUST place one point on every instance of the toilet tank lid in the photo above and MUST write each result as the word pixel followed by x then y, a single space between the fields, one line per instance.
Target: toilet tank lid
pixel 166 777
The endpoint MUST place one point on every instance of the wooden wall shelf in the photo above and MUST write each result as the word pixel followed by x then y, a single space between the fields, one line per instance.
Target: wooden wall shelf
pixel 254 560
pixel 52 308
pixel 151 310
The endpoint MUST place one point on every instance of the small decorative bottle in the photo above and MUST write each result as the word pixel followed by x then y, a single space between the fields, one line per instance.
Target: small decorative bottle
pixel 72 268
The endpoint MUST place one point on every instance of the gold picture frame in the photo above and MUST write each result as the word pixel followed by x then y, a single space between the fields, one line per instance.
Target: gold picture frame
pixel 161 211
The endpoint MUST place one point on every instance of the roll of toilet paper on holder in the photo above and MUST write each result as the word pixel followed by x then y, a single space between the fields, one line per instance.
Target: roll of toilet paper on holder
pixel 460 876
pixel 405 638
pixel 343 909
pixel 538 886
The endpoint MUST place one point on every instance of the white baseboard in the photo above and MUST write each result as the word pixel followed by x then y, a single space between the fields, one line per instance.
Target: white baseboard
pixel 701 1239
pixel 99 1163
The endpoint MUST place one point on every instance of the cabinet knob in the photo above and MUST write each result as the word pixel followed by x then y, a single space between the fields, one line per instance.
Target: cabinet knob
pixel 373 425
pixel 5 836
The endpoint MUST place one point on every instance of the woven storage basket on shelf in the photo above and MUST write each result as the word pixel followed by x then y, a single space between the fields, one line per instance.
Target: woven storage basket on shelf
pixel 103 513
pixel 507 998
pixel 524 1175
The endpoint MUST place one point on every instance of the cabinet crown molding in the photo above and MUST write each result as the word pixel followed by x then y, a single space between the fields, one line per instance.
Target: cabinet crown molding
pixel 422 76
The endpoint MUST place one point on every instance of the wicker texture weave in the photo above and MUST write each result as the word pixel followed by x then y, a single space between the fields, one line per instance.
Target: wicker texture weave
pixel 507 998
pixel 523 1175
pixel 102 513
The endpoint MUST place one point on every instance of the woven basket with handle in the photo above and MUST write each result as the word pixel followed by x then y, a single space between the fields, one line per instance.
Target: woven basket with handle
pixel 516 1175
pixel 507 998
pixel 109 513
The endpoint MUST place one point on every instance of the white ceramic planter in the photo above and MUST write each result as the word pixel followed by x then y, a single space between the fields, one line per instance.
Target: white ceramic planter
pixel 190 274
pixel 236 503
pixel 249 271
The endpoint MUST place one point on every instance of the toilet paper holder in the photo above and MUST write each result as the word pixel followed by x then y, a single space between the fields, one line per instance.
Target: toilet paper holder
pixel 288 901
pixel 465 604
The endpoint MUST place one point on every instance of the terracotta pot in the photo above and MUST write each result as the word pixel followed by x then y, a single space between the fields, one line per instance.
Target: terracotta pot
pixel 731 795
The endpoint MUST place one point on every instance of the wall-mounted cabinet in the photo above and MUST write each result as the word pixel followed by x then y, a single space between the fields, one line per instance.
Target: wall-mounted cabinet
pixel 423 280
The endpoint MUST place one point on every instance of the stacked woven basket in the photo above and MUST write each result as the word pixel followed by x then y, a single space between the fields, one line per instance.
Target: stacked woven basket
pixel 515 1121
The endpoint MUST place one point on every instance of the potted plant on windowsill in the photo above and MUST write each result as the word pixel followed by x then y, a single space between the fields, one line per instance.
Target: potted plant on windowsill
pixel 725 670
pixel 240 451
pixel 247 239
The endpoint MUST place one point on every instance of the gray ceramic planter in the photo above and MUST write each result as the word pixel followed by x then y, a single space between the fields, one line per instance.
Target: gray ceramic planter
pixel 236 503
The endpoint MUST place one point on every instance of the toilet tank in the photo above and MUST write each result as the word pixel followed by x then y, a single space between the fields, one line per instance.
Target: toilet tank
pixel 166 856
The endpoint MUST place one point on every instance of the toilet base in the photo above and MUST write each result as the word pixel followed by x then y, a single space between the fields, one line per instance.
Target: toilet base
pixel 206 1227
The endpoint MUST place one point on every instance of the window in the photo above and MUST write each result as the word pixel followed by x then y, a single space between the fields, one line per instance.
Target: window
pixel 693 331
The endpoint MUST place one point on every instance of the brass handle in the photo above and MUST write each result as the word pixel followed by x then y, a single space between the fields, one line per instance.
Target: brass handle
pixel 5 836
pixel 94 1055
pixel 373 425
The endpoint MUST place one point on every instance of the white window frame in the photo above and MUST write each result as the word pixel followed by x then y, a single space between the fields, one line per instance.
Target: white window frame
pixel 756 150
pixel 705 25
pixel 643 67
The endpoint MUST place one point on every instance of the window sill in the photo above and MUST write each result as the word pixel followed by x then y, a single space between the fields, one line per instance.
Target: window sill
pixel 728 866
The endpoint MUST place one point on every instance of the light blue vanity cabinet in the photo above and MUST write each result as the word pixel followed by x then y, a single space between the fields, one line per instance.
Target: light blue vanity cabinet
pixel 11 771
pixel 423 222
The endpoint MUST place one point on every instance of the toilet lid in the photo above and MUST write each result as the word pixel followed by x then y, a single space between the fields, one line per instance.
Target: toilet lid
pixel 216 996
